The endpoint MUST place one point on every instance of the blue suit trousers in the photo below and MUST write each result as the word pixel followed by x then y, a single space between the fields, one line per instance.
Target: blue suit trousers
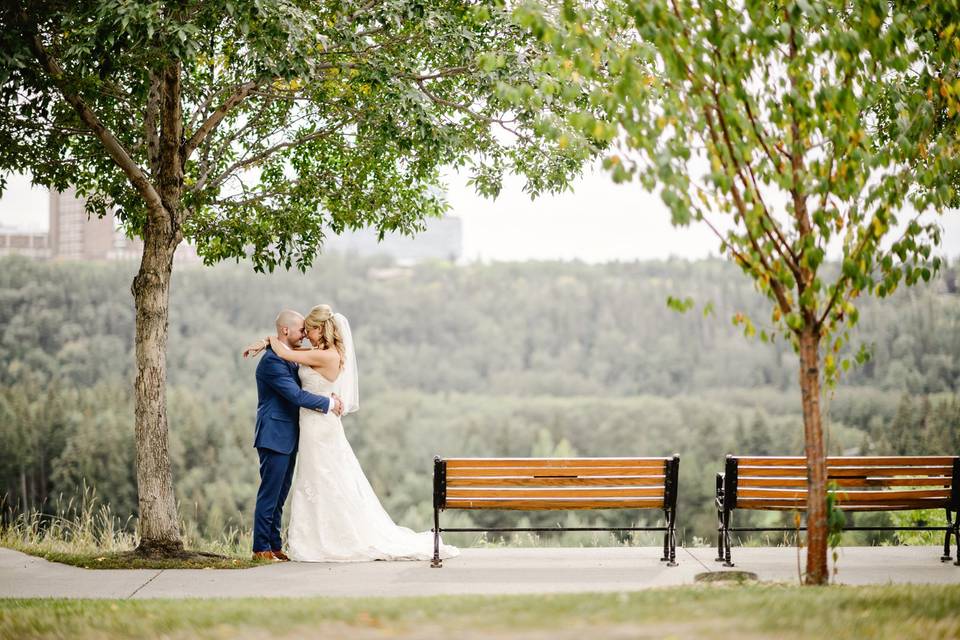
pixel 276 475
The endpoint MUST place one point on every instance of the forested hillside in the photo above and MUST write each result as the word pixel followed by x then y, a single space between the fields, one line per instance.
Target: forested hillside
pixel 502 359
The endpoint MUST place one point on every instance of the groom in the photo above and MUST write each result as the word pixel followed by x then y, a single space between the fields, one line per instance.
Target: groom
pixel 279 398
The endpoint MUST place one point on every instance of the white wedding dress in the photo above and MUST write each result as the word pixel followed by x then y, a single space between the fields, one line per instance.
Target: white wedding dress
pixel 334 514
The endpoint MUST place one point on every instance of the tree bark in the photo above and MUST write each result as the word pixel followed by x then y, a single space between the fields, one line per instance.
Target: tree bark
pixel 159 522
pixel 816 461
pixel 44 481
pixel 159 525
pixel 23 489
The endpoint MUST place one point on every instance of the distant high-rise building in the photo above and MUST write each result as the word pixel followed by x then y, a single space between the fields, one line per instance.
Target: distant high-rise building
pixel 74 236
pixel 441 240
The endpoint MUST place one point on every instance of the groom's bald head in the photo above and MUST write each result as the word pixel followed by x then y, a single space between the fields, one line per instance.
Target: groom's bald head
pixel 290 327
pixel 288 318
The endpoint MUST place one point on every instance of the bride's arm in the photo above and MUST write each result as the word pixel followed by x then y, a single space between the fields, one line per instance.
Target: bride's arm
pixel 254 349
pixel 309 357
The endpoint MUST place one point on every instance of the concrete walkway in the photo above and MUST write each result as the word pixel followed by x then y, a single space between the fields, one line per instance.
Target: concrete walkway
pixel 476 571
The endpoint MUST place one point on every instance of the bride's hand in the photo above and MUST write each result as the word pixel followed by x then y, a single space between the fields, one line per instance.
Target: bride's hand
pixel 255 348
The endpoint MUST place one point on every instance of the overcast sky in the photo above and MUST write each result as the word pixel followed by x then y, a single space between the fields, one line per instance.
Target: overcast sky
pixel 599 221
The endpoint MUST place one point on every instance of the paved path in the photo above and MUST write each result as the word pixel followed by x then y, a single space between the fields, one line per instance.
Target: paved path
pixel 476 571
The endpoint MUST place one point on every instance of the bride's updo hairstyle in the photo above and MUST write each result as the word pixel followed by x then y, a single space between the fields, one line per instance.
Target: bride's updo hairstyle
pixel 321 317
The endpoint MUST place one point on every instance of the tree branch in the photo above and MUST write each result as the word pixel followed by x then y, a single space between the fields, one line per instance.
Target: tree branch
pixel 800 212
pixel 443 73
pixel 266 153
pixel 759 134
pixel 113 147
pixel 353 17
pixel 856 255
pixel 772 232
pixel 771 229
pixel 470 112
pixel 217 117
pixel 725 244
pixel 207 164
pixel 775 284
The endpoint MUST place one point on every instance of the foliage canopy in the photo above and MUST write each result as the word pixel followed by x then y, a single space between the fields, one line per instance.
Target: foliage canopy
pixel 295 119
pixel 790 128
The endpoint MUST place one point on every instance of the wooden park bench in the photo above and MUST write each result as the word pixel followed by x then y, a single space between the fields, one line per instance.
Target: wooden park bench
pixel 537 484
pixel 875 483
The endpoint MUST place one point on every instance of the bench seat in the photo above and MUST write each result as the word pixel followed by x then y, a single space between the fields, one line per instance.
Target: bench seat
pixel 858 483
pixel 541 484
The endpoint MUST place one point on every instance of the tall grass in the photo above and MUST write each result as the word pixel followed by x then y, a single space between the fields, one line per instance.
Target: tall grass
pixel 83 524
pixel 80 524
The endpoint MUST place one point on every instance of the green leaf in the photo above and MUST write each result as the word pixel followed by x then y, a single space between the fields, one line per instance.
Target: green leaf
pixel 678 305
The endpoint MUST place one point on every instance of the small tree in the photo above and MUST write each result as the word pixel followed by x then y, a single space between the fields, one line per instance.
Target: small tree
pixel 255 127
pixel 805 126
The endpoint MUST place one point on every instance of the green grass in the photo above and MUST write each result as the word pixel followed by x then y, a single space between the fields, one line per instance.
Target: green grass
pixel 758 611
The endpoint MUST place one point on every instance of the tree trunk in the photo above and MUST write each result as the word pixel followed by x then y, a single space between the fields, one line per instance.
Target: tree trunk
pixel 816 462
pixel 44 481
pixel 159 524
pixel 25 506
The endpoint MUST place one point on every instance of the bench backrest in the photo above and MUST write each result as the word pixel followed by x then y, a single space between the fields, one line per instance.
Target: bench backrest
pixel 863 483
pixel 532 484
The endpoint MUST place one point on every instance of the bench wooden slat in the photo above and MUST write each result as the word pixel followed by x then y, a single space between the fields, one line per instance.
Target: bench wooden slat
pixel 555 504
pixel 847 482
pixel 550 472
pixel 842 461
pixel 845 496
pixel 845 472
pixel 598 481
pixel 456 463
pixel 915 472
pixel 653 492
pixel 883 506
pixel 801 505
pixel 892 496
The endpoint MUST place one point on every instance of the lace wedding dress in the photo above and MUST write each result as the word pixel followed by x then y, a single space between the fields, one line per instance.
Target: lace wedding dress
pixel 334 514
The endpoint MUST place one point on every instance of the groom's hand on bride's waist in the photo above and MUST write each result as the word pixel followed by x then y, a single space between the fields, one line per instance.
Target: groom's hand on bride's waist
pixel 337 405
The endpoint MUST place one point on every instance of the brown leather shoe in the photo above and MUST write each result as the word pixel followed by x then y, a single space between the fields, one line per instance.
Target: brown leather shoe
pixel 280 555
pixel 265 555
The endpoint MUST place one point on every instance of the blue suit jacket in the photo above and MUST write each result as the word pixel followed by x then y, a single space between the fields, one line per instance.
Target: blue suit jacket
pixel 279 398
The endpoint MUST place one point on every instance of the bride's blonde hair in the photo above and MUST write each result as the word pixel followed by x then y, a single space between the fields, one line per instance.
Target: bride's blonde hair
pixel 321 316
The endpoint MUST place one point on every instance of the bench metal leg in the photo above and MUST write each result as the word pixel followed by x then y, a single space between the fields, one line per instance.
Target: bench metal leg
pixel 726 540
pixel 719 557
pixel 666 537
pixel 672 537
pixel 946 538
pixel 436 563
pixel 956 536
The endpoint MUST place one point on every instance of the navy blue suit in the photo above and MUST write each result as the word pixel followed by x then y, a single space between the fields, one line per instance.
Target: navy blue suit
pixel 279 398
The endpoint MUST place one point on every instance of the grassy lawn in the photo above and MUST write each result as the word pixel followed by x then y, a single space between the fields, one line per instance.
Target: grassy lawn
pixel 757 611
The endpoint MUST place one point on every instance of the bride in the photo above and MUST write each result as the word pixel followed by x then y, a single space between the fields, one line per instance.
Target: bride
pixel 334 514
